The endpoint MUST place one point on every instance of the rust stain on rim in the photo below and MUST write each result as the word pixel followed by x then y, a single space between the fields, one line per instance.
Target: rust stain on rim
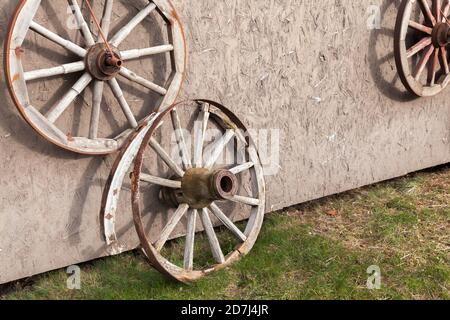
pixel 19 51
pixel 16 77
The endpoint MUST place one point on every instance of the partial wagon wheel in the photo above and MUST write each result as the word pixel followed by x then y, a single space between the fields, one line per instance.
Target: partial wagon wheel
pixel 421 37
pixel 199 191
pixel 97 59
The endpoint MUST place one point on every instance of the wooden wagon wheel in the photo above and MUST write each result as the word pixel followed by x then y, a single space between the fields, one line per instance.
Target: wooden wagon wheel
pixel 99 59
pixel 420 45
pixel 198 188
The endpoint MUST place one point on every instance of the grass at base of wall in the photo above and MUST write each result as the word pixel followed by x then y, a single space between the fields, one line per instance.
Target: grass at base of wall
pixel 318 250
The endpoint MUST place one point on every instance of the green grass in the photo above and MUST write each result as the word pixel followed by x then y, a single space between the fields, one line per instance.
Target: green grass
pixel 318 250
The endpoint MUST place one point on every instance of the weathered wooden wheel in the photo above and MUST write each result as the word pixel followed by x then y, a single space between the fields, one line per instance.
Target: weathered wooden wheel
pixel 199 188
pixel 422 34
pixel 95 59
pixel 169 185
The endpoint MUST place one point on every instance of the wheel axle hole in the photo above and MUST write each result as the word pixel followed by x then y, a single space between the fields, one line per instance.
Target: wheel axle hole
pixel 226 184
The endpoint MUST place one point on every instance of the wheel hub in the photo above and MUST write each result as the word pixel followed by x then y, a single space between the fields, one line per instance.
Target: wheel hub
pixel 101 64
pixel 200 187
pixel 441 35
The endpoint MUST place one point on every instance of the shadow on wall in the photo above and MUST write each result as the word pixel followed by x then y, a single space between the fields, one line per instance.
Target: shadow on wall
pixel 381 55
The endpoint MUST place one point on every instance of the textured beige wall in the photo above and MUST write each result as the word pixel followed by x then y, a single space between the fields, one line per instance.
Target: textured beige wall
pixel 270 62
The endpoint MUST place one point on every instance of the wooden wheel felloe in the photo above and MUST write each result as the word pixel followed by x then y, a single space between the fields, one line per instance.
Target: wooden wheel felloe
pixel 422 33
pixel 197 190
pixel 101 56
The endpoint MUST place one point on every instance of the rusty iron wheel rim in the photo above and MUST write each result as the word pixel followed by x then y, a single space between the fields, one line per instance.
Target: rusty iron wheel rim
pixel 22 25
pixel 256 201
pixel 420 46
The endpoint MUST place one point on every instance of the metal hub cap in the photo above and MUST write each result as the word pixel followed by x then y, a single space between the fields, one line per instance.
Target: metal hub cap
pixel 440 35
pixel 200 187
pixel 100 64
pixel 224 184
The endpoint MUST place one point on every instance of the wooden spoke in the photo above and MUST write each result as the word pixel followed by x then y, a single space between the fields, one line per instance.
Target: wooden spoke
pixel 445 10
pixel 420 27
pixel 241 138
pixel 227 222
pixel 130 75
pixel 166 158
pixel 117 91
pixel 427 11
pixel 58 109
pixel 70 46
pixel 106 19
pixel 444 60
pixel 123 33
pixel 201 125
pixel 168 229
pixel 423 62
pixel 212 237
pixel 82 24
pixel 97 97
pixel 218 148
pixel 160 181
pixel 55 71
pixel 241 168
pixel 432 67
pixel 245 200
pixel 422 44
pixel 437 10
pixel 139 53
pixel 190 239
pixel 180 139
